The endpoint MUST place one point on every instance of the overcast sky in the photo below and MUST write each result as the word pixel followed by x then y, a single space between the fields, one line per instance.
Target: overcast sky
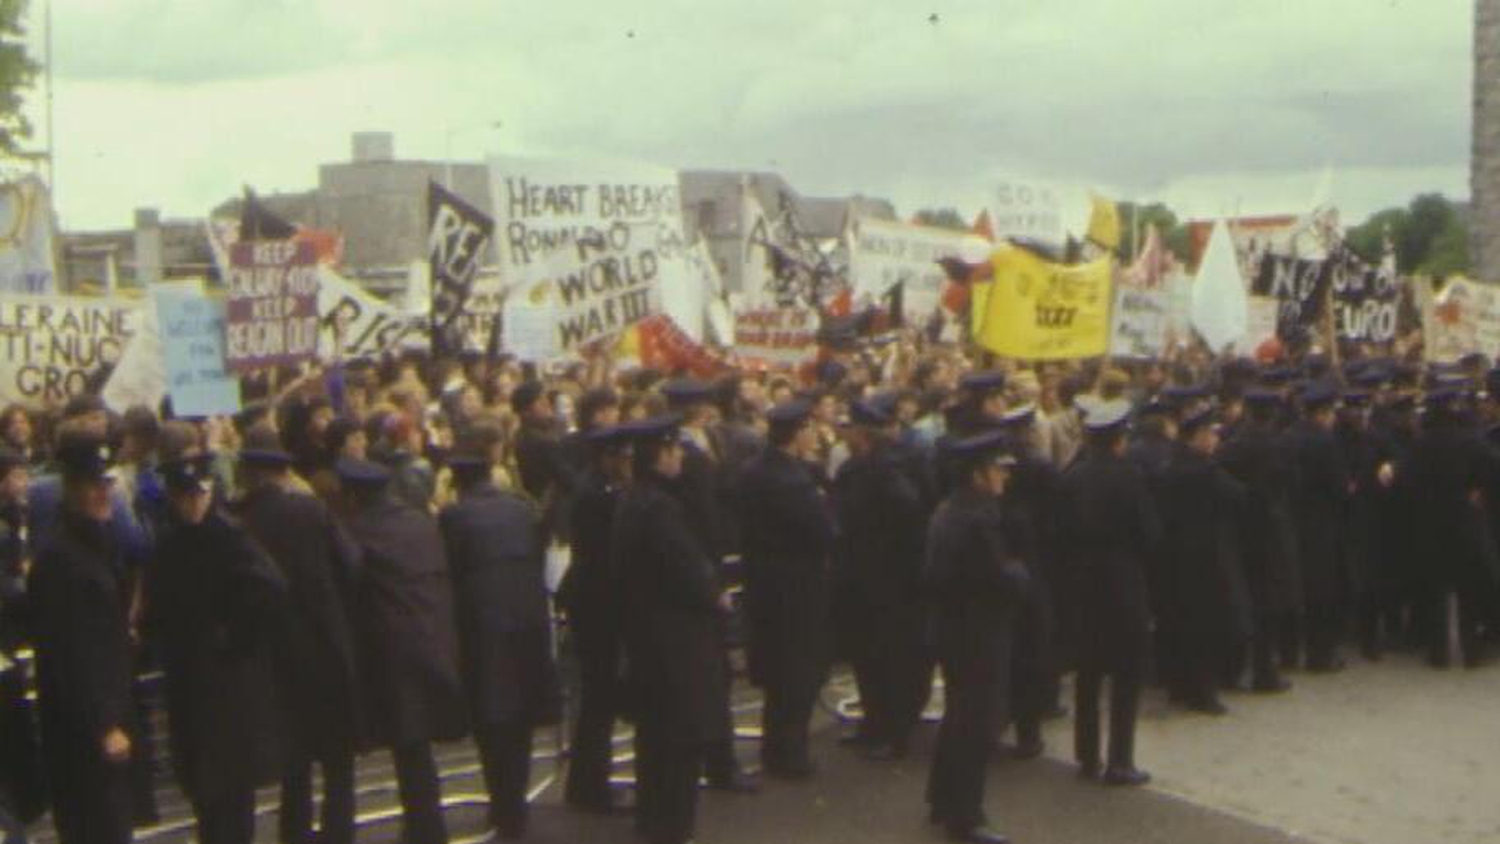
pixel 1214 106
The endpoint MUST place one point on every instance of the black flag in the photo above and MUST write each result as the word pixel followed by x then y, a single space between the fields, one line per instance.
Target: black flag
pixel 458 233
pixel 258 223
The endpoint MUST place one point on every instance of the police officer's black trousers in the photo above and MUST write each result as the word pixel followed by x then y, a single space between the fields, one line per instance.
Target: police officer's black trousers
pixel 1265 646
pixel 337 814
pixel 721 765
pixel 505 756
pixel 1124 702
pixel 974 704
pixel 227 817
pixel 1324 625
pixel 593 733
pixel 666 771
pixel 421 794
pixel 91 799
pixel 785 721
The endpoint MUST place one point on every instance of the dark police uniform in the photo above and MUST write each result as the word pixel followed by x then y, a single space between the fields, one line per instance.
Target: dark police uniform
pixel 787 536
pixel 1320 499
pixel 80 606
pixel 674 645
pixel 406 643
pixel 1113 533
pixel 1202 511
pixel 1257 457
pixel 882 523
pixel 976 587
pixel 590 597
pixel 213 608
pixel 496 553
pixel 319 562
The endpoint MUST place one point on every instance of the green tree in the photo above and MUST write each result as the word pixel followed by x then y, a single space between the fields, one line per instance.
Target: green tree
pixel 1136 220
pixel 18 72
pixel 1430 236
pixel 942 218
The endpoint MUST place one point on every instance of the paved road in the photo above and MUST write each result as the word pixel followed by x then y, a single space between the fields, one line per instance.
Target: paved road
pixel 1383 753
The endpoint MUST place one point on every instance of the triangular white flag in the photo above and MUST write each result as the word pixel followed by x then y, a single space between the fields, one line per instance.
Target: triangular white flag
pixel 1220 308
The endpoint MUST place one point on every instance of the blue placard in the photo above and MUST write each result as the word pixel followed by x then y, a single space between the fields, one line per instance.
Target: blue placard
pixel 192 349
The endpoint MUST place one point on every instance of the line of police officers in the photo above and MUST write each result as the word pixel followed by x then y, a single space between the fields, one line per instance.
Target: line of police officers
pixel 1216 542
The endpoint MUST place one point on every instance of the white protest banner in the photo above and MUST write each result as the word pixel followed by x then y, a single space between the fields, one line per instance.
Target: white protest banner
pixel 191 329
pixel 353 323
pixel 1026 211
pixel 1140 322
pixel 687 288
pixel 26 264
pixel 51 347
pixel 776 337
pixel 529 325
pixel 1220 311
pixel 601 234
pixel 1464 318
pixel 885 253
pixel 139 378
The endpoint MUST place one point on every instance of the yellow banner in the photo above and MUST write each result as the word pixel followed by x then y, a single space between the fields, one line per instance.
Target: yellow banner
pixel 1038 310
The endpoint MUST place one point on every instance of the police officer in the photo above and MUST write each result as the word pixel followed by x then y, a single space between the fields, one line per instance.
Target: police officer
pixel 787 537
pixel 80 604
pixel 882 522
pixel 1201 508
pixel 213 605
pixel 316 670
pixel 405 640
pixel 675 606
pixel 976 585
pixel 1321 498
pixel 21 782
pixel 1113 532
pixel 1258 458
pixel 590 598
pixel 1447 472
pixel 1028 510
pixel 496 553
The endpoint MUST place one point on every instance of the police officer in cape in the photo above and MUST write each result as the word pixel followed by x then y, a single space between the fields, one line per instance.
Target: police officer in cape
pixel 80 604
pixel 1257 456
pixel 1113 532
pixel 882 516
pixel 405 641
pixel 316 669
pixel 497 555
pixel 1202 509
pixel 213 607
pixel 976 586
pixel 589 597
pixel 787 537
pixel 674 610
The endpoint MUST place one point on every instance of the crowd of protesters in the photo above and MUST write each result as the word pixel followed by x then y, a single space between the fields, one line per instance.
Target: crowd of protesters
pixel 364 558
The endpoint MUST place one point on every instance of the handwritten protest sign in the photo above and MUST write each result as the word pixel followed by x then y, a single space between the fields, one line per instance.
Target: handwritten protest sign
pixel 51 347
pixel 456 242
pixel 354 323
pixel 1464 318
pixel 191 328
pixel 1140 323
pixel 272 311
pixel 885 253
pixel 776 337
pixel 1026 211
pixel 600 234
pixel 26 263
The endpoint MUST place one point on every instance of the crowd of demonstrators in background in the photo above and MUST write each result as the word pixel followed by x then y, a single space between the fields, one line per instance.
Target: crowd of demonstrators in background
pixel 366 556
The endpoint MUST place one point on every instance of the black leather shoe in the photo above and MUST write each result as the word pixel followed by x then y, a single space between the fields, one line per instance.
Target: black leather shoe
pixel 1126 776
pixel 977 835
pixel 737 783
pixel 791 770
pixel 886 752
pixel 1028 749
pixel 1088 770
pixel 1207 706
pixel 1271 685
